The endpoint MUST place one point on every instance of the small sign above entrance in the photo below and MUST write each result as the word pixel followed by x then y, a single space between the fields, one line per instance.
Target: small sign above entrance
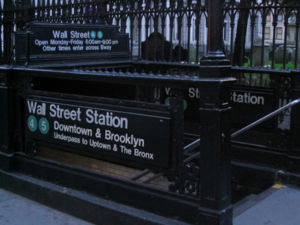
pixel 70 41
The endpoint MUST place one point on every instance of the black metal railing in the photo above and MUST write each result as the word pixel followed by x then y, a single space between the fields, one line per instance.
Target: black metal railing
pixel 162 30
pixel 185 181
pixel 265 118
pixel 257 93
pixel 1 29
pixel 266 33
pixel 255 33
pixel 68 11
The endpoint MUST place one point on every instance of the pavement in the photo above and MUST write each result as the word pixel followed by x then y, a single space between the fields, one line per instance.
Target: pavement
pixel 17 210
pixel 279 205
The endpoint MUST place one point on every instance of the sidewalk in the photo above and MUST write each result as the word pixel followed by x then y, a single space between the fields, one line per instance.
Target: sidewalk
pixel 276 206
pixel 279 205
pixel 17 210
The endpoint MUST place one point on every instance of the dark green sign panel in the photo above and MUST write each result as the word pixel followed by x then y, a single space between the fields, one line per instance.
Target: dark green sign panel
pixel 71 41
pixel 116 132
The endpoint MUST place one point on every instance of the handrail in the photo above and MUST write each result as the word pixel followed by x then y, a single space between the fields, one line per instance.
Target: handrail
pixel 248 127
pixel 140 174
pixel 191 146
pixel 263 119
pixel 196 143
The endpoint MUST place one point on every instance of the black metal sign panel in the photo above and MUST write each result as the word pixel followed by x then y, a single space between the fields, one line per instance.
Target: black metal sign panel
pixel 115 132
pixel 295 118
pixel 249 104
pixel 50 41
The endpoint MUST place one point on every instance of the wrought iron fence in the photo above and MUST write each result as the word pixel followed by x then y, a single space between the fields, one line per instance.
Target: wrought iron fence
pixel 182 179
pixel 69 11
pixel 162 30
pixel 256 33
pixel 259 33
pixel 1 31
pixel 263 33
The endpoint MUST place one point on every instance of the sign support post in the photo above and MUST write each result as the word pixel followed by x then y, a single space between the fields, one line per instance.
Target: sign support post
pixel 215 156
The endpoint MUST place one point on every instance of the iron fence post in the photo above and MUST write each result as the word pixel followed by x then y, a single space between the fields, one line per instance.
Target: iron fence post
pixel 176 102
pixel 294 155
pixel 3 111
pixel 295 119
pixel 28 12
pixel 215 47
pixel 23 13
pixel 6 119
pixel 215 155
pixel 7 30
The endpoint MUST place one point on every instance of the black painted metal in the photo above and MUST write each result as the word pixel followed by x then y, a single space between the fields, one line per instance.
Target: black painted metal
pixel 215 54
pixel 7 125
pixel 185 178
pixel 7 30
pixel 295 127
pixel 165 33
pixel 264 33
pixel 214 118
pixel 8 121
pixel 192 146
pixel 270 143
pixel 4 129
pixel 1 31
pixel 3 113
pixel 275 140
pixel 54 43
pixel 265 118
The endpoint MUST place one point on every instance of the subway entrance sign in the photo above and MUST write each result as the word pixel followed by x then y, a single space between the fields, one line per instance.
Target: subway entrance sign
pixel 250 104
pixel 106 131
pixel 45 41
